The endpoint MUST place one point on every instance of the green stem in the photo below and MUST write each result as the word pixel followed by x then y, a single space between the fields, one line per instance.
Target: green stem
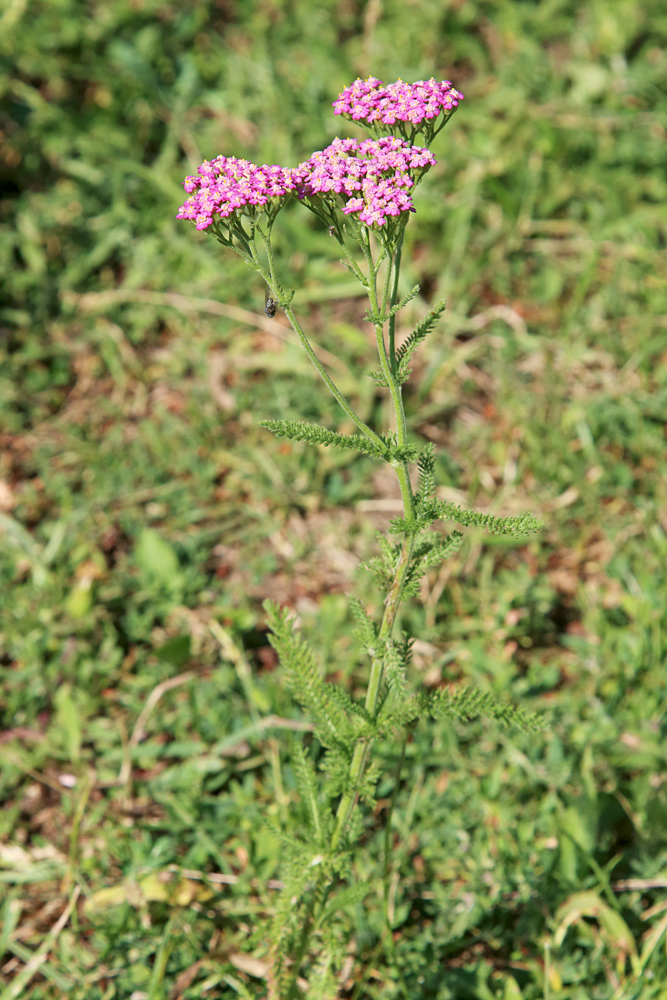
pixel 393 600
pixel 387 868
pixel 360 756
pixel 272 281
pixel 394 299
pixel 388 364
pixel 330 384
pixel 303 945
pixel 387 829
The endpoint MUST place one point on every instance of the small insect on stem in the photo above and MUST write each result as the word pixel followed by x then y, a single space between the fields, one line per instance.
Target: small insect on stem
pixel 270 307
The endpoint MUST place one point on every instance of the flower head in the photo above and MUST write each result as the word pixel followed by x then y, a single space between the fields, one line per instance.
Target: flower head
pixel 373 177
pixel 227 187
pixel 404 108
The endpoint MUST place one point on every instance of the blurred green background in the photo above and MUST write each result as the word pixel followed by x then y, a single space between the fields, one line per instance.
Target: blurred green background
pixel 144 515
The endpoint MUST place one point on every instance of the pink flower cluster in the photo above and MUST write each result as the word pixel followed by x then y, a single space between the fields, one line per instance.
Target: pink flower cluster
pixel 227 185
pixel 374 176
pixel 369 101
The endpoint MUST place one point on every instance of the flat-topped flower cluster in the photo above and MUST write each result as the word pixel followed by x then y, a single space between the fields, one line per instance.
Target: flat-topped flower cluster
pixel 369 180
pixel 227 185
pixel 372 177
pixel 369 101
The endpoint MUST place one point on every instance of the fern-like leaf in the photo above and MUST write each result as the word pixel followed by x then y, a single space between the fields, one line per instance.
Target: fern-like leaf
pixel 337 768
pixel 427 553
pixel 395 666
pixel 445 510
pixel 383 567
pixel 377 320
pixel 418 335
pixel 403 302
pixel 285 925
pixel 322 983
pixel 344 900
pixel 468 703
pixel 297 430
pixel 522 524
pixel 306 780
pixel 413 526
pixel 303 677
pixel 426 467
pixel 463 704
pixel 379 378
pixel 365 629
pixel 443 549
pixel 353 709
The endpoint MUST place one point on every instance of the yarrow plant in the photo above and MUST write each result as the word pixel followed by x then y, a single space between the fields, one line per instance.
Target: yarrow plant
pixel 363 191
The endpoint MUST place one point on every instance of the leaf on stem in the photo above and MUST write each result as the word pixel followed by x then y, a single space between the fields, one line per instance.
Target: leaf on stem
pixel 383 567
pixel 403 302
pixel 430 551
pixel 365 629
pixel 344 900
pixel 297 430
pixel 521 524
pixel 469 703
pixel 309 689
pixel 355 711
pixel 379 378
pixel 426 467
pixel 306 781
pixel 418 335
pixel 463 704
pixel 445 510
pixel 377 320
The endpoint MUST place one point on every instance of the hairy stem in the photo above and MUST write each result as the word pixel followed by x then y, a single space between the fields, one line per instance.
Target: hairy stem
pixel 392 602
pixel 394 299
pixel 272 281
pixel 303 944
pixel 330 384
pixel 387 868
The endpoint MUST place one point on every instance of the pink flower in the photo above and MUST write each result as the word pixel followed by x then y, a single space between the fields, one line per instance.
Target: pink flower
pixel 407 108
pixel 227 186
pixel 372 177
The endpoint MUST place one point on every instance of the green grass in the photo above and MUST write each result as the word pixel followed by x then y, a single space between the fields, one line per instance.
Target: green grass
pixel 145 515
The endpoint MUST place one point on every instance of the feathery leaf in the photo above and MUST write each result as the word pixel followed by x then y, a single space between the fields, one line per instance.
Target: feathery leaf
pixel 297 430
pixel 522 524
pixel 468 703
pixel 408 297
pixel 383 567
pixel 418 335
pixel 427 553
pixel 345 899
pixel 426 466
pixel 306 780
pixel 379 378
pixel 303 677
pixel 365 629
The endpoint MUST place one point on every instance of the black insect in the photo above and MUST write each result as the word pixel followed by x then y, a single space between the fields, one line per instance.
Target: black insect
pixel 270 307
